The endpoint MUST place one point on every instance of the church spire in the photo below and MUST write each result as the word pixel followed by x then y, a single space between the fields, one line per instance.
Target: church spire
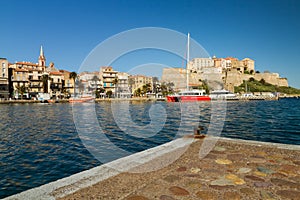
pixel 41 52
pixel 42 59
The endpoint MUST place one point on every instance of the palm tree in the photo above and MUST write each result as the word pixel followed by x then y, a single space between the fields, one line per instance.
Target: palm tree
pixel 95 79
pixel 115 82
pixel 45 79
pixel 80 86
pixel 73 75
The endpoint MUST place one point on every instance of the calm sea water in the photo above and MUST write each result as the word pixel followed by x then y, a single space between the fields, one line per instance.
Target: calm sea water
pixel 39 143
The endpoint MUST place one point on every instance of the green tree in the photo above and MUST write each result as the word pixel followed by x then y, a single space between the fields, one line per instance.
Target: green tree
pixel 45 79
pixel 95 79
pixel 80 86
pixel 73 75
pixel 155 85
pixel 109 93
pixel 21 90
pixel 164 89
pixel 146 88
pixel 205 86
pixel 115 82
pixel 251 79
pixel 262 81
pixel 99 91
pixel 137 92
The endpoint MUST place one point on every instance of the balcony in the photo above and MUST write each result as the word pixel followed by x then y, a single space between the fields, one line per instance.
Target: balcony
pixel 56 86
pixel 35 85
pixel 34 78
pixel 109 75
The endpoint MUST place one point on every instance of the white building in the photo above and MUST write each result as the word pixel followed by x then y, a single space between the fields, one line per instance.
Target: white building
pixel 198 64
pixel 122 86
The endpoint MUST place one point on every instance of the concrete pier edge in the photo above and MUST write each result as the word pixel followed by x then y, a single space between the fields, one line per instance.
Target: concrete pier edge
pixel 75 182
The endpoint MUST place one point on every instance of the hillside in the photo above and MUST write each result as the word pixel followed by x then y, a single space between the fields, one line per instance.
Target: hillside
pixel 262 86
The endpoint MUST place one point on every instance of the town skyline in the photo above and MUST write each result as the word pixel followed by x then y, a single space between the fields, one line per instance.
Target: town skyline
pixel 267 32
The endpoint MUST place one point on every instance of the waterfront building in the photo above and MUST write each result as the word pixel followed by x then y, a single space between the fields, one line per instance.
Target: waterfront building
pixel 138 81
pixel 56 84
pixel 26 77
pixel 122 86
pixel 109 78
pixel 20 79
pixel 55 81
pixel 29 78
pixel 4 89
pixel 68 87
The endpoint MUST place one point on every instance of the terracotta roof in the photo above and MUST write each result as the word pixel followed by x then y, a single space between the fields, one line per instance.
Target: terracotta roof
pixel 27 63
pixel 64 71
pixel 21 70
pixel 231 58
pixel 55 73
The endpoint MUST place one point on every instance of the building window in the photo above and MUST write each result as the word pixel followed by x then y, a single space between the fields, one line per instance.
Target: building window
pixel 3 75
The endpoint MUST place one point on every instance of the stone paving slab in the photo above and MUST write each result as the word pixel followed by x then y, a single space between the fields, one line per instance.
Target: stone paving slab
pixel 234 169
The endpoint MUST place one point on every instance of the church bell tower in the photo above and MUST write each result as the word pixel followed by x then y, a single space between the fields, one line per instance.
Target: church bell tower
pixel 42 59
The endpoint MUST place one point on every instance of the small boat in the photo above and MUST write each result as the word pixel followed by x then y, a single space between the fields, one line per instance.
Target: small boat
pixel 51 101
pixel 81 99
pixel 222 94
pixel 188 96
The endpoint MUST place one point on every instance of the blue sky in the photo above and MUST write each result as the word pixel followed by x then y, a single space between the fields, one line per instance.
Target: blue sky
pixel 266 31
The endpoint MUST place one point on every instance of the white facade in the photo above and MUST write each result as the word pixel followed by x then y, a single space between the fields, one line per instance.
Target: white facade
pixel 198 64
pixel 122 88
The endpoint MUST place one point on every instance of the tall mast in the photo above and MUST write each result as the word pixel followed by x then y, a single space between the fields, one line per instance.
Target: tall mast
pixel 187 62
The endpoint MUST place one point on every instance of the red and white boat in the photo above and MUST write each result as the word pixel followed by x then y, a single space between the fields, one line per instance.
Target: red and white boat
pixel 81 99
pixel 188 96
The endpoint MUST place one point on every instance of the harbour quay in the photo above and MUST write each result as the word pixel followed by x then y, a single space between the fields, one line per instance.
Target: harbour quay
pixel 232 169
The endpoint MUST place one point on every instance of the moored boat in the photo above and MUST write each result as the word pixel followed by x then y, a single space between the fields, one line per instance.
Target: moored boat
pixel 81 99
pixel 222 94
pixel 189 95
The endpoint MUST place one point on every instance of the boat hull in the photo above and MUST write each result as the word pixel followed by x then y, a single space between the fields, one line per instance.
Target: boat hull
pixel 80 100
pixel 194 98
pixel 173 99
pixel 187 98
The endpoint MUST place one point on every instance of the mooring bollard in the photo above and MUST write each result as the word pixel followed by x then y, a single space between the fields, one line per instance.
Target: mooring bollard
pixel 197 132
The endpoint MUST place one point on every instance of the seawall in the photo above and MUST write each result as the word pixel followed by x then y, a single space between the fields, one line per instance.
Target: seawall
pixel 233 169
